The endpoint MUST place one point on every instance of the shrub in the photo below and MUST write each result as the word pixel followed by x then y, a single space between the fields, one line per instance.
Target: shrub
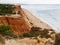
pixel 57 41
pixel 35 28
pixel 44 33
pixel 36 31
pixel 6 9
pixel 32 33
pixel 6 30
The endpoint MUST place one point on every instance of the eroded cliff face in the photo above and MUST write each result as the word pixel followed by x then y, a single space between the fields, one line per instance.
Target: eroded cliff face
pixel 16 21
pixel 18 25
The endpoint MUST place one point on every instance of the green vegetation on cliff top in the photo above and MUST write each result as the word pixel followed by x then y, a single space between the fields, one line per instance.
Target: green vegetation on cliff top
pixel 6 9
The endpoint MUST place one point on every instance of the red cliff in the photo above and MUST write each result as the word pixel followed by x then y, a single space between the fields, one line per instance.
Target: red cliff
pixel 18 25
pixel 16 21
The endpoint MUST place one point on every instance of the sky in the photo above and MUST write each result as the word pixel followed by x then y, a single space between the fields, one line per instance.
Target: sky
pixel 31 1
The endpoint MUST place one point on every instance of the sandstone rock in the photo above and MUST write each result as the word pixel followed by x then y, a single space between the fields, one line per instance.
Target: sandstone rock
pixel 17 21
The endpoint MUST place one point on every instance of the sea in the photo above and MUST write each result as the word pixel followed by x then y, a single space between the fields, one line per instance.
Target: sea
pixel 48 13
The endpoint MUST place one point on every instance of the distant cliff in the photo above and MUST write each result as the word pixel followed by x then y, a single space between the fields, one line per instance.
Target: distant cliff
pixel 34 21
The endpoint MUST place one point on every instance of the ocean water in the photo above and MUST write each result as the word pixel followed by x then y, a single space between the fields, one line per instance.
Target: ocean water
pixel 48 13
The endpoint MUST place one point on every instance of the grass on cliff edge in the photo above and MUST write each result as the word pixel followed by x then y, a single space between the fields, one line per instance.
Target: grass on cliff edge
pixel 37 31
pixel 5 30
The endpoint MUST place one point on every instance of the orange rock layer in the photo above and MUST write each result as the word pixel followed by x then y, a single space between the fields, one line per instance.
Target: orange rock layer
pixel 18 25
